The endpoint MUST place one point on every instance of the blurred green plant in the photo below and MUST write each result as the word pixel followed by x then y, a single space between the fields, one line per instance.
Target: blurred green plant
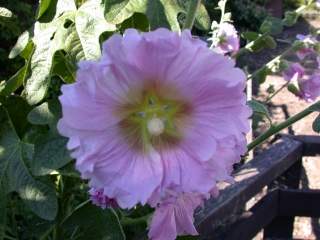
pixel 10 29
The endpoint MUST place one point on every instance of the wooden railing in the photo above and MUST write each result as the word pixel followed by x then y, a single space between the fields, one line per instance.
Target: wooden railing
pixel 278 169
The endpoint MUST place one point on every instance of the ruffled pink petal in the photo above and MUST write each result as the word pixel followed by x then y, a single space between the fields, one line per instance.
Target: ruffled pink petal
pixel 174 217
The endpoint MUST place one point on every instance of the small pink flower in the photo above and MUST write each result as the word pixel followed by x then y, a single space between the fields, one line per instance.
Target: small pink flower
pixel 306 50
pixel 99 199
pixel 310 87
pixel 228 39
pixel 294 72
pixel 174 216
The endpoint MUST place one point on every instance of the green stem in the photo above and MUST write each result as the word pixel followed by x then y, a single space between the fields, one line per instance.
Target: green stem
pixel 277 128
pixel 125 221
pixel 191 14
pixel 276 92
pixel 270 64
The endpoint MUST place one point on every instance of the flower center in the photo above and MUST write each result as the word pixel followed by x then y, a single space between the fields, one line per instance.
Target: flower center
pixel 154 121
pixel 155 126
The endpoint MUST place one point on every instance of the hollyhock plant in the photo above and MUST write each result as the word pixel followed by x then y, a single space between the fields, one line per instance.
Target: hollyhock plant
pixel 158 109
pixel 294 72
pixel 227 39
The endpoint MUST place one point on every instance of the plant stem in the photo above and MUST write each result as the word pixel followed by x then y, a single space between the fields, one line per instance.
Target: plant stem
pixel 277 128
pixel 125 221
pixel 276 92
pixel 191 14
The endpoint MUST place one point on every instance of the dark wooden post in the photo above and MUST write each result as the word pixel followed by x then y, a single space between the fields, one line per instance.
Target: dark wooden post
pixel 282 226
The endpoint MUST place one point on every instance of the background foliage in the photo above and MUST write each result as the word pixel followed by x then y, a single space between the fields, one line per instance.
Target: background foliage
pixel 41 194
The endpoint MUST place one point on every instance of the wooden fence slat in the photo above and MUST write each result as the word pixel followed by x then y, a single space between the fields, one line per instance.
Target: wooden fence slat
pixel 282 226
pixel 252 221
pixel 304 203
pixel 250 179
pixel 311 144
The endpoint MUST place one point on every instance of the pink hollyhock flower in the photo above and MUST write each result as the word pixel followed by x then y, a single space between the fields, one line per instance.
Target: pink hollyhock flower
pixel 154 111
pixel 310 87
pixel 174 216
pixel 228 39
pixel 308 48
pixel 98 198
pixel 294 72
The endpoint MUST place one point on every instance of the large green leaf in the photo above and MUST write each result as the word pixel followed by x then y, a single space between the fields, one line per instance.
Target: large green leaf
pixel 50 154
pixel 48 38
pixel 90 26
pixel 91 222
pixel 161 13
pixel 45 114
pixel 40 198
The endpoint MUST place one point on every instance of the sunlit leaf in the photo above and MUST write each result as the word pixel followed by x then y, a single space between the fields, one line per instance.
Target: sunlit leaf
pixel 40 198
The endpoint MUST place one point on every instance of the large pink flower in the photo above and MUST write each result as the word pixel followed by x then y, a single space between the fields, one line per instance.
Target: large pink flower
pixel 158 109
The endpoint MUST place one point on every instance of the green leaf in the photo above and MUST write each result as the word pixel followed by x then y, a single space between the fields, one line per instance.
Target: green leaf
pixel 42 8
pixel 21 44
pixel 90 26
pixel 261 75
pixel 270 42
pixel 202 20
pixel 91 222
pixel 316 124
pixel 56 9
pixel 262 42
pixel 250 36
pixel 40 198
pixel 260 109
pixel 64 67
pixel 45 114
pixel 48 38
pixel 50 153
pixel 290 19
pixel 138 21
pixel 161 13
pixel 18 110
pixel 5 13
pixel 272 26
